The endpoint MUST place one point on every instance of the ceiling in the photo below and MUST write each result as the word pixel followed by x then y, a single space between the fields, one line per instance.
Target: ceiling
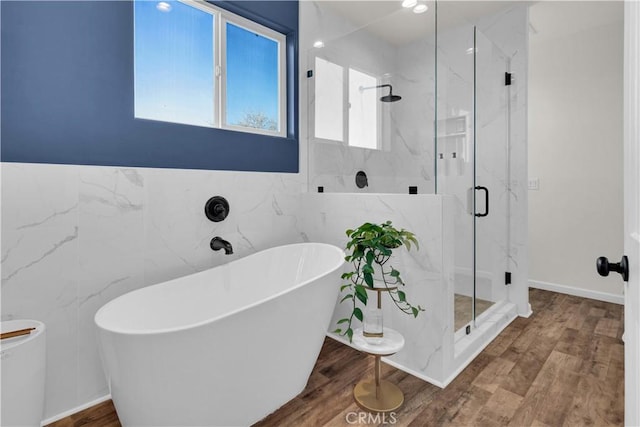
pixel 398 26
pixel 386 19
pixel 549 19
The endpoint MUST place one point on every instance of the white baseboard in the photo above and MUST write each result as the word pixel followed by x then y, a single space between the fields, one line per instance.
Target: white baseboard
pixel 578 292
pixel 528 313
pixel 75 410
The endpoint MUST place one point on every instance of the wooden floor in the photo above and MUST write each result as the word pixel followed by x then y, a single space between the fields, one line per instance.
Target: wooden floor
pixel 561 367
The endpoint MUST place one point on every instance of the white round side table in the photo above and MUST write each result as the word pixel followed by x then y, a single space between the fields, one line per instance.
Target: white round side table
pixel 378 395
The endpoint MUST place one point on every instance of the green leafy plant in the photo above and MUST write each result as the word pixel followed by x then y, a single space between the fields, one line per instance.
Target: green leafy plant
pixel 369 250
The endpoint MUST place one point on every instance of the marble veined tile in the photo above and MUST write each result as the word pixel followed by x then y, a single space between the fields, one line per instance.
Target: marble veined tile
pixel 111 261
pixel 39 265
pixel 423 271
pixel 264 212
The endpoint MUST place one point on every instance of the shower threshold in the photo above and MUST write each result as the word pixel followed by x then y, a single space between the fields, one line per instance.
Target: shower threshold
pixel 489 325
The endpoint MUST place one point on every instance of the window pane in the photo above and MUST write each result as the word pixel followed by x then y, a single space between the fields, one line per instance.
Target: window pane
pixel 329 100
pixel 252 80
pixel 363 113
pixel 174 79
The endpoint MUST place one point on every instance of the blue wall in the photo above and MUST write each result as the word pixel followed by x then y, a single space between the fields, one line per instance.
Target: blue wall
pixel 67 93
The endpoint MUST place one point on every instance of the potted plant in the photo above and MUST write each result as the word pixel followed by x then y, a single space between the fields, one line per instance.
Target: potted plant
pixel 369 250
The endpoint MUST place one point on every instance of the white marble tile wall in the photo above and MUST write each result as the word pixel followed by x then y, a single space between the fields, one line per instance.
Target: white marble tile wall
pixel 426 272
pixel 40 266
pixel 111 255
pixel 414 116
pixel 75 237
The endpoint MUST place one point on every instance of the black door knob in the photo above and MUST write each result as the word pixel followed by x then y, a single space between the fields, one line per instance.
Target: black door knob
pixel 604 267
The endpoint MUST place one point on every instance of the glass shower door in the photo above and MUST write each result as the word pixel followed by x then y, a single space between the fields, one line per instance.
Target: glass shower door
pixel 491 123
pixel 472 164
pixel 455 152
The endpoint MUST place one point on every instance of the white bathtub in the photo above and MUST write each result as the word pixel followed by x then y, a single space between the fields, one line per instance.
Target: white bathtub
pixel 223 347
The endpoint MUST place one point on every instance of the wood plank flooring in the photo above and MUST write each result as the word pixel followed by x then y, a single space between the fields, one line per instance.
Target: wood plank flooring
pixel 564 366
pixel 101 415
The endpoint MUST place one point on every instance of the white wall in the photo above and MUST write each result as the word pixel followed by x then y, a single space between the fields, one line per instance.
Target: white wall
pixel 575 143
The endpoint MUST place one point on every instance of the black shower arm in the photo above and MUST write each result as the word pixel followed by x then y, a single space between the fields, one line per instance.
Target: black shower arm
pixel 375 87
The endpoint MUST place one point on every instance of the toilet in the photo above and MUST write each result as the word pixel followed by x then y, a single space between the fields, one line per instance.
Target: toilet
pixel 22 361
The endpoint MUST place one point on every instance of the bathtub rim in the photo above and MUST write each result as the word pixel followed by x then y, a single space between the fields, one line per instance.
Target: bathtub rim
pixel 194 325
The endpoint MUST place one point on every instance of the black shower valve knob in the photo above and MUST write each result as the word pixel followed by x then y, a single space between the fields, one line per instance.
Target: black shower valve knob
pixel 216 208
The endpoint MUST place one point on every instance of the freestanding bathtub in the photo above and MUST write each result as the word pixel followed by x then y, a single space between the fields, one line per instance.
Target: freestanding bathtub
pixel 223 347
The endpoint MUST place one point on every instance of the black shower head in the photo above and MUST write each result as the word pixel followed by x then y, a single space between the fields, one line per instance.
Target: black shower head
pixel 391 98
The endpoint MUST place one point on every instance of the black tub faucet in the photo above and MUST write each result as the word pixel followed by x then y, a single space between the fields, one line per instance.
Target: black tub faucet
pixel 218 243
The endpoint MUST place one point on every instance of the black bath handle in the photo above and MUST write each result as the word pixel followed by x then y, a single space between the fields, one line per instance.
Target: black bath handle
pixel 216 208
pixel 604 267
pixel 486 199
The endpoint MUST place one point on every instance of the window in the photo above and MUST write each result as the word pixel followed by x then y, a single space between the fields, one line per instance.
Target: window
pixel 174 83
pixel 200 65
pixel 329 100
pixel 363 110
pixel 346 105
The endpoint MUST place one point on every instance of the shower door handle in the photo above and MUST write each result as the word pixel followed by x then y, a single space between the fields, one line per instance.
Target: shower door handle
pixel 486 201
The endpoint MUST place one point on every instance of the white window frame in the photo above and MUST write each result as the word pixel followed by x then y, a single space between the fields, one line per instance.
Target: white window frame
pixel 221 17
pixel 279 38
pixel 215 15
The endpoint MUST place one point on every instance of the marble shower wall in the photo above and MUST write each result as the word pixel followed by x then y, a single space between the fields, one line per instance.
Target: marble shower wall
pixel 406 137
pixel 75 237
pixel 427 272
pixel 414 116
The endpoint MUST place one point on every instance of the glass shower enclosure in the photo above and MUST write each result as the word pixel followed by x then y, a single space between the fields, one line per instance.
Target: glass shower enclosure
pixel 417 103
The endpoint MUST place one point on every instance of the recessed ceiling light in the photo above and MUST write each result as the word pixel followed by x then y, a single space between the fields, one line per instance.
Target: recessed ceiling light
pixel 421 8
pixel 409 3
pixel 318 44
pixel 163 6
